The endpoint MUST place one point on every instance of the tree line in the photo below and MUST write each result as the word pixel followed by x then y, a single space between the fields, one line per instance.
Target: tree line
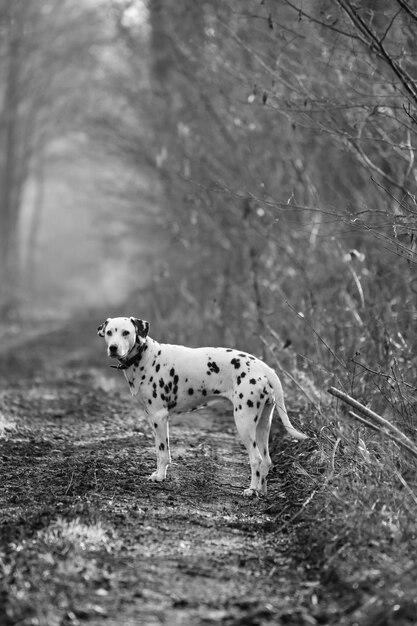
pixel 279 141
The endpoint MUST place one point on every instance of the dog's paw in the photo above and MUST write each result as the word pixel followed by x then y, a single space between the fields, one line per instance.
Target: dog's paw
pixel 156 478
pixel 251 493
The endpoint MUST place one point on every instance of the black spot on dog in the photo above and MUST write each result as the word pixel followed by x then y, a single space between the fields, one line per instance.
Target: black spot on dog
pixel 242 354
pixel 241 395
pixel 256 419
pixel 166 389
pixel 254 444
pixel 257 474
pixel 172 405
pixel 208 373
pixel 204 392
pixel 163 397
pixel 243 374
pixel 159 353
pixel 258 404
pixel 143 377
pixel 262 481
pixel 161 382
pixel 153 364
pixel 190 391
pixel 157 367
pixel 176 379
pixel 229 350
pixel 252 381
pixel 155 425
pixel 142 368
pixel 131 383
pixel 240 407
pixel 154 394
pixel 235 363
pixel 149 401
pixel 249 403
pixel 213 367
pixel 216 391
pixel 162 446
pixel 171 371
pixel 265 451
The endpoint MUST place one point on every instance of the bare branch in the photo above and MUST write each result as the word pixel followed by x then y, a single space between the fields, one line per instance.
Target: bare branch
pixel 377 46
pixel 382 432
pixel 407 9
pixel 341 395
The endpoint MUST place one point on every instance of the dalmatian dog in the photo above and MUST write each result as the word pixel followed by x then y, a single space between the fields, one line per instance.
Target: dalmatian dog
pixel 172 378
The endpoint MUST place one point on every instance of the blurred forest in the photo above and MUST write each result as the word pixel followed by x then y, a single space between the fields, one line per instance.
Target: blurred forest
pixel 240 172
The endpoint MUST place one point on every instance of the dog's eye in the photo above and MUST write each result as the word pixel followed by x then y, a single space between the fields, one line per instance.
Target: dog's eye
pixel 125 333
pixel 109 333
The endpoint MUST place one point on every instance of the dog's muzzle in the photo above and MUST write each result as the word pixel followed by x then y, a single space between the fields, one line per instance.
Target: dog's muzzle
pixel 113 350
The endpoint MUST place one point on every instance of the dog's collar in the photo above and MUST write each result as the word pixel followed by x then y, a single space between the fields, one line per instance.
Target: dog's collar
pixel 124 364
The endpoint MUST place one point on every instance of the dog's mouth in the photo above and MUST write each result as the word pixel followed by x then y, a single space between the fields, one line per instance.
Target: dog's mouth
pixel 116 355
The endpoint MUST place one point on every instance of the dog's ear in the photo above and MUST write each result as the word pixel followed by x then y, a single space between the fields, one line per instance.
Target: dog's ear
pixel 142 327
pixel 101 329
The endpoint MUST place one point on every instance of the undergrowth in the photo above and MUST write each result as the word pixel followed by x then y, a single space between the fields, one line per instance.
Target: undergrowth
pixel 352 500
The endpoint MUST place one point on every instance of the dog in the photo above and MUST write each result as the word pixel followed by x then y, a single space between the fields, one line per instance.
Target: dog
pixel 174 378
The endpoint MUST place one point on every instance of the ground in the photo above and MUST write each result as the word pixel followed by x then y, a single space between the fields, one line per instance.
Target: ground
pixel 85 538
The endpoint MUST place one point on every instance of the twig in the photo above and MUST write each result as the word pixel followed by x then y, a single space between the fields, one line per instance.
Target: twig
pixel 69 484
pixel 336 445
pixel 405 441
pixel 407 9
pixel 364 421
pixel 383 431
pixel 387 376
pixel 406 485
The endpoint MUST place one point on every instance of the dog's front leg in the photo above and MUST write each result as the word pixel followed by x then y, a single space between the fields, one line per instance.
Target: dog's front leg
pixel 160 427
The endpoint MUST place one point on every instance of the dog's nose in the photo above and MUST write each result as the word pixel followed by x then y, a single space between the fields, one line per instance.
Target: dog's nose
pixel 113 349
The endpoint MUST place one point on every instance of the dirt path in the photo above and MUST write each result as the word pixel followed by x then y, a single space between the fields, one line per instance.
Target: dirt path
pixel 86 538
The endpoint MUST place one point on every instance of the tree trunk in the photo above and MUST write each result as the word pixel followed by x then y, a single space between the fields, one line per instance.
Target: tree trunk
pixel 9 192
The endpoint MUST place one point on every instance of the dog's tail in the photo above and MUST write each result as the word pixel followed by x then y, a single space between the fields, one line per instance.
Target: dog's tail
pixel 275 382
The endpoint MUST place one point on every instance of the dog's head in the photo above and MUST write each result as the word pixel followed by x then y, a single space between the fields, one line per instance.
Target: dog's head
pixel 121 334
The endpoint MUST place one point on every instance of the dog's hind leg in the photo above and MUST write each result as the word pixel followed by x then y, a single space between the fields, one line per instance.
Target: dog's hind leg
pixel 262 440
pixel 160 427
pixel 246 426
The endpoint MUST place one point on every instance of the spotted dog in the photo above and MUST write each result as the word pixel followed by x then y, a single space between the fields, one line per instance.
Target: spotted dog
pixel 171 378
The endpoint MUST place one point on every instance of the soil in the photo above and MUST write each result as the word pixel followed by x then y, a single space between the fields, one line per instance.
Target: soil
pixel 86 538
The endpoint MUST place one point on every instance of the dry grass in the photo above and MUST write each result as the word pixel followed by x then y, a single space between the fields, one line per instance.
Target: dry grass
pixel 354 511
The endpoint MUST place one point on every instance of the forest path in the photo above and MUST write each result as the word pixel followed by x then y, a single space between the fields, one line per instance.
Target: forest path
pixel 84 535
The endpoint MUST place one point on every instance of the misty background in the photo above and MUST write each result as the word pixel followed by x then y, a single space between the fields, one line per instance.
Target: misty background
pixel 239 173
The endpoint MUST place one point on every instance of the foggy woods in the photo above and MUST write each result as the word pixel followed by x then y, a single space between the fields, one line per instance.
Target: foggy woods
pixel 248 162
pixel 239 173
